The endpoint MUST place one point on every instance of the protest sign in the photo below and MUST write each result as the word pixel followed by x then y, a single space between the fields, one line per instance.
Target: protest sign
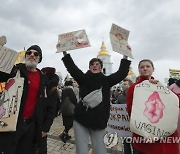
pixel 155 110
pixel 10 103
pixel 119 120
pixel 72 40
pixel 119 40
pixel 7 59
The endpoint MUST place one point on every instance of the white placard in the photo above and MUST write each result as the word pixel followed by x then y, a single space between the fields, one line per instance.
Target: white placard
pixel 119 40
pixel 10 103
pixel 155 110
pixel 72 40
pixel 7 59
pixel 119 120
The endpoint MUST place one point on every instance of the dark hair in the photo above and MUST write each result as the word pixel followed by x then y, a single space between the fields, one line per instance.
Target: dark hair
pixel 68 83
pixel 146 60
pixel 128 80
pixel 171 81
pixel 178 83
pixel 95 60
pixel 53 81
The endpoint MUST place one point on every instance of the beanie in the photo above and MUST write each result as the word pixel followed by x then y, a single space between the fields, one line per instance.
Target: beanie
pixel 38 49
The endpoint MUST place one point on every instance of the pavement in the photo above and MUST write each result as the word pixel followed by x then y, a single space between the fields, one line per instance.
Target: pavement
pixel 56 146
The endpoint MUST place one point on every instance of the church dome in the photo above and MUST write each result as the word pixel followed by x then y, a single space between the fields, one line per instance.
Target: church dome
pixel 21 57
pixel 103 51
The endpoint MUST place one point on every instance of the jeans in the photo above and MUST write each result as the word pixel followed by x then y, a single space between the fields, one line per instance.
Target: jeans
pixel 82 135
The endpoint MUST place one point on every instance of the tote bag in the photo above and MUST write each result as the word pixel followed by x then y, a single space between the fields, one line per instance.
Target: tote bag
pixel 10 103
pixel 155 111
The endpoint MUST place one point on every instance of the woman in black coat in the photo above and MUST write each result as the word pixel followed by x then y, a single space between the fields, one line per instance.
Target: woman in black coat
pixel 92 122
pixel 67 117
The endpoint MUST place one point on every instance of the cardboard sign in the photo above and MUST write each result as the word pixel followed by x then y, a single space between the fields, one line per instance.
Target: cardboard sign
pixel 119 120
pixel 119 40
pixel 72 40
pixel 7 59
pixel 10 103
pixel 155 110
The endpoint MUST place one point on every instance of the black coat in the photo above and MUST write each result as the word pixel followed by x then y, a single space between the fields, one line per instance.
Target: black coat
pixel 94 118
pixel 68 92
pixel 45 109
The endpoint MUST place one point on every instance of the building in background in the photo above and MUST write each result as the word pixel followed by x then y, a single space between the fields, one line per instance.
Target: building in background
pixel 173 73
pixel 104 55
pixel 21 57
pixel 131 75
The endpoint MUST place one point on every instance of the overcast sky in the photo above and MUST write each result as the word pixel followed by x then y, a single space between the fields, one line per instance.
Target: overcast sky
pixel 154 29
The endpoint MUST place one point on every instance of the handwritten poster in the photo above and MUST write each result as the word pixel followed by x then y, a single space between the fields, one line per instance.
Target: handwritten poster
pixel 119 40
pixel 7 59
pixel 72 40
pixel 155 110
pixel 119 120
pixel 10 103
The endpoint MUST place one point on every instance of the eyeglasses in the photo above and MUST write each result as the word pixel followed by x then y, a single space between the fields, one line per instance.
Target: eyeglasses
pixel 30 52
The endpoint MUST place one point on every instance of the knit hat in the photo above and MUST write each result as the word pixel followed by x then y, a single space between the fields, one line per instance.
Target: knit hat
pixel 38 49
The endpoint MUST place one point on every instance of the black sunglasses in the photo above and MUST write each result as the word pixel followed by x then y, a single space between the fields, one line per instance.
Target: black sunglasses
pixel 30 52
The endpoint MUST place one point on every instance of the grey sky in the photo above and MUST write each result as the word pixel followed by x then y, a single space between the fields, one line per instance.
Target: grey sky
pixel 154 29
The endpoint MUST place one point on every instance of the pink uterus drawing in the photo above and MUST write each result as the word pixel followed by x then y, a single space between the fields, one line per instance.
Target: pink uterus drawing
pixel 154 108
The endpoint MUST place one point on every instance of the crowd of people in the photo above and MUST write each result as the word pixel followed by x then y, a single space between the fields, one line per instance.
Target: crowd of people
pixel 43 99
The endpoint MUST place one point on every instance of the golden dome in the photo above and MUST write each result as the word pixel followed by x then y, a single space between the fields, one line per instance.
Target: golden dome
pixel 103 51
pixel 21 57
pixel 131 73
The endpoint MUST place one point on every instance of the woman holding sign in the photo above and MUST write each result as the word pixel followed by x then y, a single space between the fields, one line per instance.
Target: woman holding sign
pixel 89 120
pixel 154 110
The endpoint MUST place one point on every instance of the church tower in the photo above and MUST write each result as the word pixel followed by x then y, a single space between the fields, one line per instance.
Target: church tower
pixel 106 59
pixel 131 75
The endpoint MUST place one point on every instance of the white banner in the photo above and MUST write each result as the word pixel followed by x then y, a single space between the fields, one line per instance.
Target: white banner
pixel 119 40
pixel 72 40
pixel 155 110
pixel 10 103
pixel 7 59
pixel 119 120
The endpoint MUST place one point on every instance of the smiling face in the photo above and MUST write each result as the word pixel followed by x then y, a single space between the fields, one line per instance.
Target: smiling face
pixel 146 68
pixel 32 58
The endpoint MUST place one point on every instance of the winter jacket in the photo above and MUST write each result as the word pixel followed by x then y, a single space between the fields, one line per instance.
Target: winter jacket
pixel 44 110
pixel 97 117
pixel 68 92
pixel 150 148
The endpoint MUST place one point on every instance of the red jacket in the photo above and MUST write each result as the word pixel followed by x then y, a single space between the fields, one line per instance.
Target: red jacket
pixel 150 148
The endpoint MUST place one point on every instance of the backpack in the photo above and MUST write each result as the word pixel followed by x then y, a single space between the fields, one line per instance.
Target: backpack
pixel 67 107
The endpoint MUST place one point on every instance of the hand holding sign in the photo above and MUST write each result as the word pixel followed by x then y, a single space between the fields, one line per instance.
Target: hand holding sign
pixel 119 40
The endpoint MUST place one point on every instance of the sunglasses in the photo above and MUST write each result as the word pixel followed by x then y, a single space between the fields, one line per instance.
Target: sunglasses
pixel 30 52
